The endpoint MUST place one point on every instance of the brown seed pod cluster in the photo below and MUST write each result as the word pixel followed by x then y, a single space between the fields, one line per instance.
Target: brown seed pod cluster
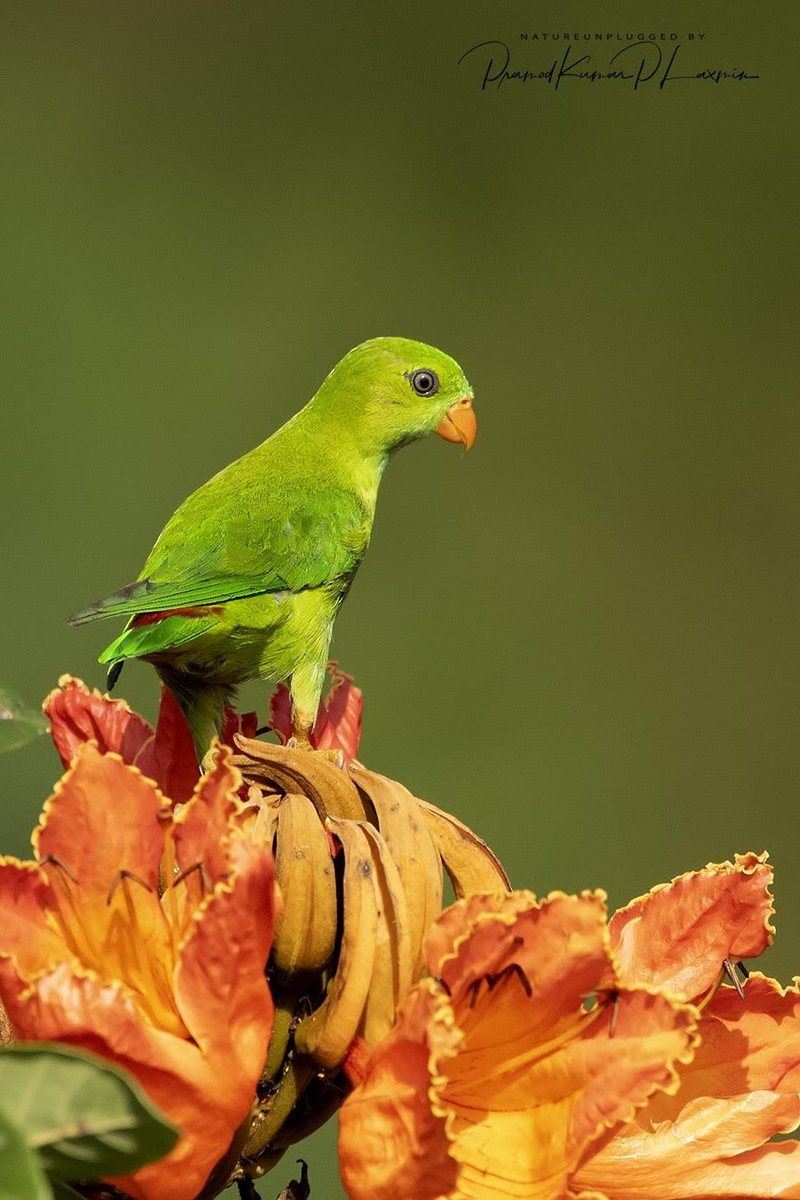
pixel 360 865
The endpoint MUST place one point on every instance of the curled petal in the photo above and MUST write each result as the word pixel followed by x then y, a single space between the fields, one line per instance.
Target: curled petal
pixel 413 849
pixel 470 864
pixel 169 757
pixel 203 826
pixel 28 938
pixel 338 725
pixel 220 987
pixel 328 1032
pixel 677 936
pixel 748 1045
pixel 245 724
pixel 394 958
pixel 84 830
pixel 77 716
pixel 714 1149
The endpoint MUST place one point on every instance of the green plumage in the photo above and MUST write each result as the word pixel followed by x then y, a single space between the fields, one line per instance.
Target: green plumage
pixel 264 553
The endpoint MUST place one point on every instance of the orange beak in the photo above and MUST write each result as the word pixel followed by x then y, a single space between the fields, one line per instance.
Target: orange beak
pixel 459 423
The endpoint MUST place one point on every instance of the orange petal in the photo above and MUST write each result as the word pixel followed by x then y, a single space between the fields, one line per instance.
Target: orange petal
pixel 245 724
pixel 28 939
pixel 455 924
pixel 714 1149
pixel 747 1045
pixel 103 823
pixel 102 817
pixel 77 716
pixel 220 986
pixel 202 828
pixel 677 935
pixel 338 724
pixel 169 757
pixel 392 1142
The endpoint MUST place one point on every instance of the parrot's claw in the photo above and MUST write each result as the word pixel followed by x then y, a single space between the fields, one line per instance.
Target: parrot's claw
pixel 333 756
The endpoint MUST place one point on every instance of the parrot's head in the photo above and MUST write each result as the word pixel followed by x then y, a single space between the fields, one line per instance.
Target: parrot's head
pixel 391 391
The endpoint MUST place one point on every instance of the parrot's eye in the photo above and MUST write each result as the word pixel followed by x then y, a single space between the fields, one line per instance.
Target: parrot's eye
pixel 424 383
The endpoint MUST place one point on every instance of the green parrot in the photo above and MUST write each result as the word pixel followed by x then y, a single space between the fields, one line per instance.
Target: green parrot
pixel 246 578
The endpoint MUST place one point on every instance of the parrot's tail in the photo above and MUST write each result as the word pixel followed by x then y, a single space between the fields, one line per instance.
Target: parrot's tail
pixel 114 672
pixel 202 704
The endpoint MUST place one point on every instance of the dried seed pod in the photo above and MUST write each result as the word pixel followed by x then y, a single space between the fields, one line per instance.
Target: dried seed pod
pixel 305 932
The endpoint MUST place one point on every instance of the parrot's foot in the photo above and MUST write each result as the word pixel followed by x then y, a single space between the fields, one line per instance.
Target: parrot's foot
pixel 332 756
pixel 302 725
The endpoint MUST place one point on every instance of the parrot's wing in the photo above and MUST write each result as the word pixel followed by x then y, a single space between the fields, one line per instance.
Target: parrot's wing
pixel 319 535
pixel 147 596
pixel 170 633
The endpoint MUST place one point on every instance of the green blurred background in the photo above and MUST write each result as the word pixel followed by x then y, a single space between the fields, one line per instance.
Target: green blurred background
pixel 582 638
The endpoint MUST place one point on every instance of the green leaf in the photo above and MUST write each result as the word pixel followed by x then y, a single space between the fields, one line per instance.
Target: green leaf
pixel 84 1116
pixel 18 724
pixel 21 1177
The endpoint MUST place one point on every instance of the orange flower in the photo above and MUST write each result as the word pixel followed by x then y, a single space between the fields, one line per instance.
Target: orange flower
pixel 712 1137
pixel 165 754
pixel 497 1082
pixel 496 1076
pixel 171 986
